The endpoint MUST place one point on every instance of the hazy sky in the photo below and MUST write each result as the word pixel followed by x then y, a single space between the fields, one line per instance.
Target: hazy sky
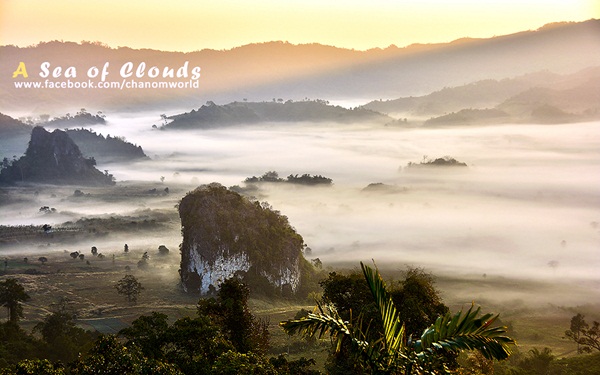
pixel 188 25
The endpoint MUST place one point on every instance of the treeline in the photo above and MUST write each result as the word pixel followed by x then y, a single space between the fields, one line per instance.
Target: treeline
pixel 305 179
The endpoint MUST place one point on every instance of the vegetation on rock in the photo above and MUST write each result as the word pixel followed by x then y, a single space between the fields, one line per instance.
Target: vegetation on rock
pixel 225 233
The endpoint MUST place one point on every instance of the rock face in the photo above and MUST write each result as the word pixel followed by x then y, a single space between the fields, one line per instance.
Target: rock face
pixel 225 234
pixel 54 158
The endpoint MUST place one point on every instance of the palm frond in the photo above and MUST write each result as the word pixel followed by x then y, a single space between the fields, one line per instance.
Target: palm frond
pixel 393 328
pixel 326 320
pixel 465 331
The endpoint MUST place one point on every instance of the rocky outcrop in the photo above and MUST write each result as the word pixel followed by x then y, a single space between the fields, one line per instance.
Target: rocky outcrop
pixel 225 235
pixel 54 158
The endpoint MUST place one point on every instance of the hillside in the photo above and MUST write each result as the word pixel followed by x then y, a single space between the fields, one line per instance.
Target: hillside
pixel 281 70
pixel 573 98
pixel 236 113
pixel 105 149
pixel 10 127
pixel 477 95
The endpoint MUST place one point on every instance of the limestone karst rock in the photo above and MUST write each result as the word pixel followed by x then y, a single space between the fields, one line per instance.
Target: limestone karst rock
pixel 225 234
pixel 54 158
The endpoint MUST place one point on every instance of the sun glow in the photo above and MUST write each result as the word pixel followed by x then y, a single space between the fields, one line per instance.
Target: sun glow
pixel 186 25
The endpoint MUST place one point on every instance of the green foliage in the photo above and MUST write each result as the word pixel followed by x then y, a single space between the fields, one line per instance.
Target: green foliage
pixel 109 357
pixel 235 363
pixel 300 366
pixel 418 301
pixel 11 294
pixel 63 340
pixel 16 345
pixel 415 298
pixel 35 367
pixel 192 345
pixel 391 352
pixel 230 311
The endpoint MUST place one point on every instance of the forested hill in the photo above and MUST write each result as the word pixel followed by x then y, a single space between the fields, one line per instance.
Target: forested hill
pixel 105 149
pixel 213 115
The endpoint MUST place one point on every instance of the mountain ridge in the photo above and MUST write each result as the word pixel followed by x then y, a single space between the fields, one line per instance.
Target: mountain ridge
pixel 282 70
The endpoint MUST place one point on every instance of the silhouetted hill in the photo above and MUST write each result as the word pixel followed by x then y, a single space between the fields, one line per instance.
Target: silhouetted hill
pixel 213 115
pixel 571 98
pixel 282 70
pixel 53 158
pixel 477 95
pixel 14 135
pixel 105 149
pixel 10 127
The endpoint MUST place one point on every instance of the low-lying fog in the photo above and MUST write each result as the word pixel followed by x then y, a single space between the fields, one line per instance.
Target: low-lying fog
pixel 527 206
pixel 528 203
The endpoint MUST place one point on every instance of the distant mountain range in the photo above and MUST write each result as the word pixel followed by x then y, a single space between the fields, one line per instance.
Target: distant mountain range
pixel 261 72
pixel 539 98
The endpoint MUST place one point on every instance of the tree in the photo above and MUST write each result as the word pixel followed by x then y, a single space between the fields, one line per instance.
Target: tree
pixel 230 311
pixel 130 287
pixel 415 297
pixel 11 294
pixel 392 352
pixel 109 357
pixel 234 363
pixel 193 345
pixel 163 250
pixel 580 332
pixel 64 340
pixel 35 367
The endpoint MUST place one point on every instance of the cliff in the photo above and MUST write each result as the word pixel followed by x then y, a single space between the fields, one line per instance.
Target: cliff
pixel 225 234
pixel 53 158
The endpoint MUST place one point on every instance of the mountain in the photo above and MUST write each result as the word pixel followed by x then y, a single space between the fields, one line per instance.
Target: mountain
pixel 105 149
pixel 281 70
pixel 562 99
pixel 225 234
pixel 236 113
pixel 53 158
pixel 477 95
pixel 12 127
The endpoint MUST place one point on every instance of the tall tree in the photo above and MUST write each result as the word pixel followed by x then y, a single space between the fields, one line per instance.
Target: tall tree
pixel 230 311
pixel 586 337
pixel 391 352
pixel 11 295
pixel 130 287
